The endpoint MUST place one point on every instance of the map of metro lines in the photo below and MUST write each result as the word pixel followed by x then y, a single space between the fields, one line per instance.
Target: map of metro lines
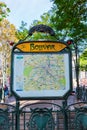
pixel 39 72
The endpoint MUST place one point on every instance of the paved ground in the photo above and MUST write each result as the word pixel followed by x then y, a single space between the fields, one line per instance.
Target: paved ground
pixel 12 100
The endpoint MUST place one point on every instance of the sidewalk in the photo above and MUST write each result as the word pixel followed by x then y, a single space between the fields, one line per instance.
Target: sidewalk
pixel 71 99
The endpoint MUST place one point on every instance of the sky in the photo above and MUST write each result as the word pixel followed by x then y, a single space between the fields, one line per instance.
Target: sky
pixel 26 10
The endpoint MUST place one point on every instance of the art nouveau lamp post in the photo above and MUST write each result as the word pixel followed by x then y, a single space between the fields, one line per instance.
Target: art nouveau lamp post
pixel 69 42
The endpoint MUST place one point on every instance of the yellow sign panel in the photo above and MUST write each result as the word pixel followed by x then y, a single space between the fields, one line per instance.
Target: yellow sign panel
pixel 41 46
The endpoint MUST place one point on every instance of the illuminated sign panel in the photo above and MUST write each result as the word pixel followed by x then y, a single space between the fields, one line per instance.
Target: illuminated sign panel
pixel 40 70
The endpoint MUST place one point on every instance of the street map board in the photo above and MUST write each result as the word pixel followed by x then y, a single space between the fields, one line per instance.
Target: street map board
pixel 41 75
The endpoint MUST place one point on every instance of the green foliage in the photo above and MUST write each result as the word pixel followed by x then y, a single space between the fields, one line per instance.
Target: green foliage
pixel 70 21
pixel 22 32
pixel 7 35
pixel 41 36
pixel 67 19
pixel 45 20
pixel 7 31
pixel 4 10
pixel 70 17
pixel 83 60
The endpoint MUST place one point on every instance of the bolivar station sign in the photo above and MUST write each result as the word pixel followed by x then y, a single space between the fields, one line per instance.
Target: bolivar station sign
pixel 41 46
pixel 41 70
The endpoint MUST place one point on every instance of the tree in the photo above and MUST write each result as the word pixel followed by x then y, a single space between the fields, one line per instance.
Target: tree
pixel 44 20
pixel 4 10
pixel 7 36
pixel 22 32
pixel 70 19
pixel 83 60
pixel 7 31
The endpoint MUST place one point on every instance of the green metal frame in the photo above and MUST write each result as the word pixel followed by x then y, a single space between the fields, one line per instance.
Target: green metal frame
pixel 43 115
pixel 77 116
pixel 7 117
pixel 41 118
pixel 64 51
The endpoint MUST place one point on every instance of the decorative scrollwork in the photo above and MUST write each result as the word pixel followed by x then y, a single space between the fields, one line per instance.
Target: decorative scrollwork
pixel 42 28
pixel 4 120
pixel 41 119
pixel 81 118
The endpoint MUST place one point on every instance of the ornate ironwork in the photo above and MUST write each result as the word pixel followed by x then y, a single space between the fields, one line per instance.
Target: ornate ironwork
pixel 42 28
pixel 4 120
pixel 81 118
pixel 41 119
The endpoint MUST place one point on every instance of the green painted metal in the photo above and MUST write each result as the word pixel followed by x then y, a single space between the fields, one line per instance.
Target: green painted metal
pixel 16 91
pixel 44 116
pixel 17 115
pixel 7 117
pixel 4 121
pixel 77 116
pixel 41 119
pixel 41 116
pixel 41 47
pixel 81 118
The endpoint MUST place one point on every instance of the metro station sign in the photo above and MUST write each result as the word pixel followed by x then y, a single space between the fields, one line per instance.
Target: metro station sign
pixel 41 70
pixel 44 46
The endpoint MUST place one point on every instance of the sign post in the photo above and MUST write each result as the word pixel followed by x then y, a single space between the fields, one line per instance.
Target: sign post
pixel 41 70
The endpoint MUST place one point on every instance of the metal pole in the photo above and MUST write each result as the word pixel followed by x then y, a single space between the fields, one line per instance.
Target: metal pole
pixel 77 71
pixel 17 115
pixel 65 115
